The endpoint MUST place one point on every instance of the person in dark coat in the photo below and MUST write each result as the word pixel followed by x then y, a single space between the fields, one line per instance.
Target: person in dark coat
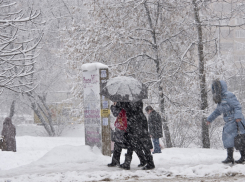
pixel 9 133
pixel 136 136
pixel 155 128
pixel 229 106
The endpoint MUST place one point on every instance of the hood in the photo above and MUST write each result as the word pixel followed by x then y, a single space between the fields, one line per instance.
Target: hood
pixel 224 86
pixel 7 121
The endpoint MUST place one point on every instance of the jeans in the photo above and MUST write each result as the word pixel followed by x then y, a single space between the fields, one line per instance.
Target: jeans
pixel 156 145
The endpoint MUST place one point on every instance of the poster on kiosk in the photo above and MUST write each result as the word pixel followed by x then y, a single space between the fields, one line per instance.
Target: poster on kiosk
pixel 96 107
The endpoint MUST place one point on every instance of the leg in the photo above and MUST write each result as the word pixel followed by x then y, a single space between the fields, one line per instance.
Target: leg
pixel 116 156
pixel 139 153
pixel 242 159
pixel 128 159
pixel 229 158
pixel 112 146
pixel 141 157
pixel 149 159
pixel 134 144
pixel 156 144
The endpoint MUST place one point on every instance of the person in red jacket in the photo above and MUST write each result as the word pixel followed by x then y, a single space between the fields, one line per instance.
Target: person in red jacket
pixel 135 138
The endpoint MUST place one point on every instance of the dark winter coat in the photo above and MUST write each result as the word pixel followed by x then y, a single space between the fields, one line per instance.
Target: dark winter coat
pixel 231 110
pixel 155 124
pixel 9 133
pixel 137 127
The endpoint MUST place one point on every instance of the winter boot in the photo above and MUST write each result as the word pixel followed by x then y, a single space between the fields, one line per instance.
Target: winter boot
pixel 126 164
pixel 141 157
pixel 229 158
pixel 142 164
pixel 242 159
pixel 115 162
pixel 150 163
pixel 116 157
pixel 142 161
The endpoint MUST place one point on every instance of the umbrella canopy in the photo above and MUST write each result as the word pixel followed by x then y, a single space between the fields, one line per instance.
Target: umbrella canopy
pixel 124 89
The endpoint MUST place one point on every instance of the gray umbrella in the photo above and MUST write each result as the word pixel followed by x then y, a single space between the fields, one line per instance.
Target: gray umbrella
pixel 124 89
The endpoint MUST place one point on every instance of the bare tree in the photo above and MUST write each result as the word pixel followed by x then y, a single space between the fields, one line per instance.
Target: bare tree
pixel 134 38
pixel 16 51
pixel 165 44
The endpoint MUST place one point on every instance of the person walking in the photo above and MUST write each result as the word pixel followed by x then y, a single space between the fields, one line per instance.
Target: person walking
pixel 155 128
pixel 136 134
pixel 229 106
pixel 8 133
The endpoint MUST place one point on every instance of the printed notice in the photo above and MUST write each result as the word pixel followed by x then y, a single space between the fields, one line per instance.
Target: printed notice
pixel 103 74
pixel 105 113
pixel 105 121
pixel 105 104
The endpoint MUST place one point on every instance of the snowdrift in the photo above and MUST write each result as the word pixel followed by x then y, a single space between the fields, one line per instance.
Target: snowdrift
pixel 75 162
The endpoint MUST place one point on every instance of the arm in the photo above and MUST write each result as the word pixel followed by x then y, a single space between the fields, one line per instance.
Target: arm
pixel 214 115
pixel 159 123
pixel 151 125
pixel 115 110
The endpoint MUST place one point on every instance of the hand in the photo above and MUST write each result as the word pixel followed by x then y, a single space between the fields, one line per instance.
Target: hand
pixel 208 123
pixel 238 120
pixel 151 136
pixel 115 103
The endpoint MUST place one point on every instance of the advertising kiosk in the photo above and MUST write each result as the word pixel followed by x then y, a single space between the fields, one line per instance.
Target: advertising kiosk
pixel 96 107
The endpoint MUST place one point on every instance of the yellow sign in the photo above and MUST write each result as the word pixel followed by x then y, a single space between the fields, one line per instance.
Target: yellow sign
pixel 105 113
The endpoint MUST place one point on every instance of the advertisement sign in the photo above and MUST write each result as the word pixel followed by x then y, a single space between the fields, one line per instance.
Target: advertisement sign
pixel 92 108
pixel 96 107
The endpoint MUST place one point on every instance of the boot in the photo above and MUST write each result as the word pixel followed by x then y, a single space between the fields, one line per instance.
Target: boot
pixel 142 164
pixel 150 163
pixel 113 163
pixel 141 157
pixel 116 157
pixel 229 158
pixel 242 159
pixel 142 161
pixel 126 164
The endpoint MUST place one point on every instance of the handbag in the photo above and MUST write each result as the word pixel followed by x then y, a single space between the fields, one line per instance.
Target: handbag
pixel 239 140
pixel 121 121
pixel 120 127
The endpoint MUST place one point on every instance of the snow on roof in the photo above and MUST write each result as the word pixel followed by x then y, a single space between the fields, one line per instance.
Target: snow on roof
pixel 93 66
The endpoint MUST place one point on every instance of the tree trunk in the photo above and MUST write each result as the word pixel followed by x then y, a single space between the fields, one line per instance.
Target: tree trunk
pixel 204 103
pixel 12 109
pixel 164 121
pixel 157 62
pixel 39 115
pixel 49 115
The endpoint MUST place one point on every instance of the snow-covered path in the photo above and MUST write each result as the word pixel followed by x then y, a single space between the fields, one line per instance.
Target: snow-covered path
pixel 64 159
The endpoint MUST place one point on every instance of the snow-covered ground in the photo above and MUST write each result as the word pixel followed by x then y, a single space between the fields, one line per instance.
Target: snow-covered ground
pixel 66 158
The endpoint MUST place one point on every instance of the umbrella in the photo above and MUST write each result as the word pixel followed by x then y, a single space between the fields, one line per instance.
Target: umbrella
pixel 124 89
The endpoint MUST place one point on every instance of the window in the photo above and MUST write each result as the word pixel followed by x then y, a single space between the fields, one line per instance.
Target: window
pixel 226 33
pixel 239 46
pixel 226 46
pixel 223 7
pixel 240 58
pixel 240 33
pixel 240 21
